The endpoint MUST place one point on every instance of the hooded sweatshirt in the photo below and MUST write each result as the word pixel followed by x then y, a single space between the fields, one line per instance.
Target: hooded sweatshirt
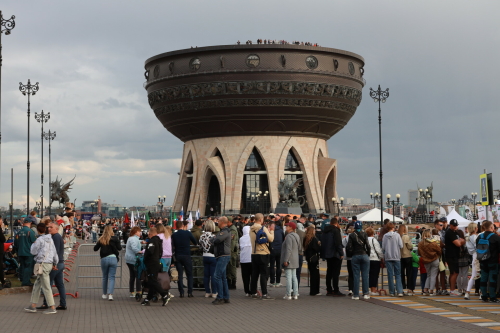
pixel 262 249
pixel 392 245
pixel 245 246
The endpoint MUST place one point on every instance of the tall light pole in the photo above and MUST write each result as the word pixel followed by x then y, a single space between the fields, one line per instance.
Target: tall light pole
pixel 474 196
pixel 379 96
pixel 376 197
pixel 5 26
pixel 50 136
pixel 394 203
pixel 29 90
pixel 338 204
pixel 42 118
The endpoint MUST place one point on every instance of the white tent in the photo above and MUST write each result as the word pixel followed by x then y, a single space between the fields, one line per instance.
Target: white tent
pixel 373 215
pixel 462 222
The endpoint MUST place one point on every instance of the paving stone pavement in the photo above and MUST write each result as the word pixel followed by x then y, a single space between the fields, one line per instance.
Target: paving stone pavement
pixel 90 313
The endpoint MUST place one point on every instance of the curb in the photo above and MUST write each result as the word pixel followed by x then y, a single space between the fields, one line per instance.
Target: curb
pixel 16 290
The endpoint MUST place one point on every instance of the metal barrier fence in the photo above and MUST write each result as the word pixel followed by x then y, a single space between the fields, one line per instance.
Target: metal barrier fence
pixel 81 255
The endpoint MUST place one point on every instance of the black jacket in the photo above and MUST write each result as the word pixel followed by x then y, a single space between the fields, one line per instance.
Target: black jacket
pixel 312 248
pixel 359 242
pixel 331 244
pixel 112 248
pixel 153 253
pixel 494 247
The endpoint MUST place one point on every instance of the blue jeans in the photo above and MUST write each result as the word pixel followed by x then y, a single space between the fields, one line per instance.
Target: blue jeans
pixel 489 273
pixel 108 267
pixel 209 264
pixel 292 286
pixel 360 263
pixel 56 277
pixel 184 262
pixel 394 270
pixel 166 264
pixel 94 236
pixel 220 277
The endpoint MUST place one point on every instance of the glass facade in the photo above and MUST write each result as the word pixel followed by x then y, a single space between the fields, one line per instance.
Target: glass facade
pixel 254 198
pixel 213 197
pixel 292 165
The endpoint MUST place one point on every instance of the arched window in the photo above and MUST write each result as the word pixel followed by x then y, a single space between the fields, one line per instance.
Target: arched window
pixel 255 189
pixel 294 172
pixel 255 162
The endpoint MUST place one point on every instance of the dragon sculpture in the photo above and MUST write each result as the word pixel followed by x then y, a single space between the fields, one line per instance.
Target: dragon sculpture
pixel 288 192
pixel 59 192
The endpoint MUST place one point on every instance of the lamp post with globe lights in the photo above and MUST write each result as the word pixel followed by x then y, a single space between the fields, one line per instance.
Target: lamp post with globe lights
pixel 380 96
pixel 6 25
pixel 376 198
pixel 393 203
pixel 474 196
pixel 337 204
pixel 161 201
pixel 28 89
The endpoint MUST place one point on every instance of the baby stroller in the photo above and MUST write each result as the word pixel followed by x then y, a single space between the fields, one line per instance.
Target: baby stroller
pixel 163 278
pixel 10 264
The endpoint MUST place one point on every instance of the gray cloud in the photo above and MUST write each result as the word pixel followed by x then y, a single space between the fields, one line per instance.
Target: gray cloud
pixel 437 58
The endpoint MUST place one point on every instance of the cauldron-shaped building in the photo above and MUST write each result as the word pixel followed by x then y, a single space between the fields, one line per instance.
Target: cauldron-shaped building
pixel 251 115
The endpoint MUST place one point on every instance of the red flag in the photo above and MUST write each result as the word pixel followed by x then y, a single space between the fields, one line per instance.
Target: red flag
pixel 127 220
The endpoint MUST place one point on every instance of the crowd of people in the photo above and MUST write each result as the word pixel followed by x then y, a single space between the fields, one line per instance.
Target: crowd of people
pixel 276 41
pixel 264 247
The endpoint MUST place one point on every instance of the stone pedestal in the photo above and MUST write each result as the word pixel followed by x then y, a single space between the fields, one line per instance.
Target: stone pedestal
pixel 292 209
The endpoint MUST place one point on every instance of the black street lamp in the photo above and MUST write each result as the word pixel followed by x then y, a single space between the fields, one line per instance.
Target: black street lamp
pixel 376 198
pixel 38 206
pixel 5 26
pixel 11 222
pixel 161 201
pixel 474 196
pixel 29 90
pixel 49 136
pixel 338 204
pixel 393 203
pixel 379 96
pixel 42 118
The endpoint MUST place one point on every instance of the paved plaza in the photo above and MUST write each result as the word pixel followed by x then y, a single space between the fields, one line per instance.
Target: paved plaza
pixel 89 313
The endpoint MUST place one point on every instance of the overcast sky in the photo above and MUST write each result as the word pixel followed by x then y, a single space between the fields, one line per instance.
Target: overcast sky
pixel 439 59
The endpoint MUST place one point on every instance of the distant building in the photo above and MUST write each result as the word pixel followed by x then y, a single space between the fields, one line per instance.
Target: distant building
pixel 352 201
pixel 412 198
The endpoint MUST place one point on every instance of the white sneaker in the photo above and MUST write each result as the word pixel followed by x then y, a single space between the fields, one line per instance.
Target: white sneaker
pixel 104 296
pixel 366 297
pixel 278 285
pixel 374 294
pixel 400 295
pixel 247 295
pixel 455 293
pixel 295 297
pixel 355 298
pixel 207 295
pixel 214 295
pixel 110 297
pixel 349 293
pixel 286 297
pixel 132 294
pixel 467 296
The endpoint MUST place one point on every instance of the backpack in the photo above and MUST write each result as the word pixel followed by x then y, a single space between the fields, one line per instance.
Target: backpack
pixel 261 237
pixel 483 247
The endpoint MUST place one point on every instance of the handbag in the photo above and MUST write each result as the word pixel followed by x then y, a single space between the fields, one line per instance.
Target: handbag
pixel 442 267
pixel 174 274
